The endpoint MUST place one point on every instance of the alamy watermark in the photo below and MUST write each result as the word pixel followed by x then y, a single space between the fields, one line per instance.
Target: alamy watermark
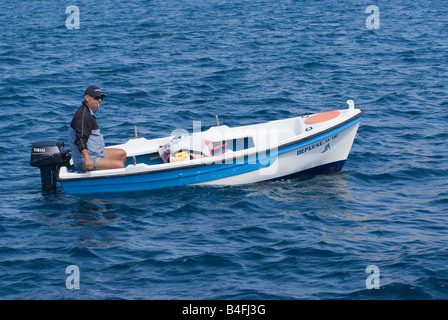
pixel 373 280
pixel 72 281
pixel 72 21
pixel 264 153
pixel 373 21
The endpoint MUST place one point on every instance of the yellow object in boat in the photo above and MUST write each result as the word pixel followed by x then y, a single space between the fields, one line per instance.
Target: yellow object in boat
pixel 181 156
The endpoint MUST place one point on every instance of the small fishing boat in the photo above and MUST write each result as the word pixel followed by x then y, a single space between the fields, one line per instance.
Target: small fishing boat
pixel 220 156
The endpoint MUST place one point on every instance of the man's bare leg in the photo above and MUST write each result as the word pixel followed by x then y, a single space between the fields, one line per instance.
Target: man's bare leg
pixel 114 159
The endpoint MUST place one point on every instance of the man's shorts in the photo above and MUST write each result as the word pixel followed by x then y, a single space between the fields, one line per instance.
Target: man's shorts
pixel 80 167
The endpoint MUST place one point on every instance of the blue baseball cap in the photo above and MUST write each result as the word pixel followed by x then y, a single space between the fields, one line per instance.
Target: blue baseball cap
pixel 95 92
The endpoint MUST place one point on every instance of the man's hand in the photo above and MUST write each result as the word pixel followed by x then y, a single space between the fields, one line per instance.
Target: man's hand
pixel 88 163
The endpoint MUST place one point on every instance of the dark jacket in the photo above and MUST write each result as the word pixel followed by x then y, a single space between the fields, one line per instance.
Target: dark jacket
pixel 83 122
pixel 84 133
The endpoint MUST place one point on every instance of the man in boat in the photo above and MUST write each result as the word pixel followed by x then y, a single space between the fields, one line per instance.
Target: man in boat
pixel 86 142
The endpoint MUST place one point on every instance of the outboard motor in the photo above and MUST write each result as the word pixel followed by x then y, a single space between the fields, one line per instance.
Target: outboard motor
pixel 49 156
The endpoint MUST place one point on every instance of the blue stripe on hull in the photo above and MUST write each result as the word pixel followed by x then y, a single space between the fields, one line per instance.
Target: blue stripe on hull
pixel 197 174
pixel 168 178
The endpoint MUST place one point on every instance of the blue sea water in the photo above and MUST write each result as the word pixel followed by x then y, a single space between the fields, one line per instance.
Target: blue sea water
pixel 165 64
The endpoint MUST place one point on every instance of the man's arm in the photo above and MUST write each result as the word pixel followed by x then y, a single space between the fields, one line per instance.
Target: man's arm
pixel 88 163
pixel 83 127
